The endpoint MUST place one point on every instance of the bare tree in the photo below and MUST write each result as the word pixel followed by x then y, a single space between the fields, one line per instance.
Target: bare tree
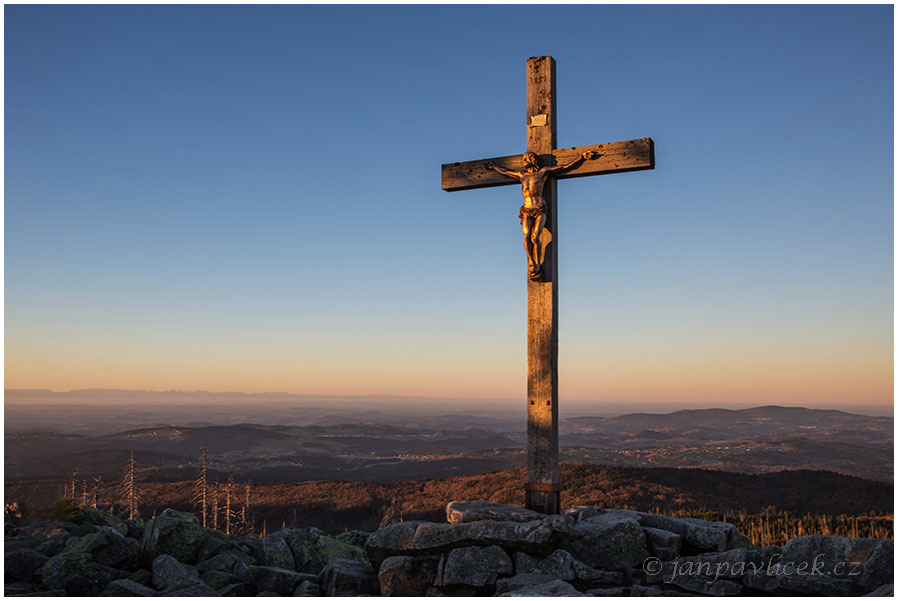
pixel 70 488
pixel 84 493
pixel 129 490
pixel 215 506
pixel 245 510
pixel 228 488
pixel 95 501
pixel 201 486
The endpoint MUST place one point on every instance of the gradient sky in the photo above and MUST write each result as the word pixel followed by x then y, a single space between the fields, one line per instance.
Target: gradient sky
pixel 248 198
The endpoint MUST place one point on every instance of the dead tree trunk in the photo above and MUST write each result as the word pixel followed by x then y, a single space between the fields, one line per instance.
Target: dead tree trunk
pixel 215 507
pixel 201 486
pixel 95 501
pixel 129 490
pixel 228 488
pixel 71 490
pixel 245 512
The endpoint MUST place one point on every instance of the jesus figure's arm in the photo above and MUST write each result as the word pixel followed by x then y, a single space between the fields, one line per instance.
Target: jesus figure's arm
pixel 561 168
pixel 514 174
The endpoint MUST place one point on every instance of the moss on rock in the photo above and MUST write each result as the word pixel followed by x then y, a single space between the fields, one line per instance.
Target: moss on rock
pixel 174 533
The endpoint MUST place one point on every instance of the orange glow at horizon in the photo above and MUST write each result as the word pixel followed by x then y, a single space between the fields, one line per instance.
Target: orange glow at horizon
pixel 749 375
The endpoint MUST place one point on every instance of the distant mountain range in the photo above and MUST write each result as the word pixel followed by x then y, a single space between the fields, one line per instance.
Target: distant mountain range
pixel 758 423
pixel 371 404
pixel 757 440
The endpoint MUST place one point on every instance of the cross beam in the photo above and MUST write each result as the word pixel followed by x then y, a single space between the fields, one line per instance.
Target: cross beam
pixel 542 488
pixel 614 157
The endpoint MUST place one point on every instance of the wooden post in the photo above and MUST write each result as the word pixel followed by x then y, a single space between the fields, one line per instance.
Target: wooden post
pixel 542 489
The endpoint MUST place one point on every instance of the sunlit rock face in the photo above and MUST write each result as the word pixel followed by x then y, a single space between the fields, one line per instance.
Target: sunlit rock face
pixel 487 549
pixel 610 552
pixel 458 512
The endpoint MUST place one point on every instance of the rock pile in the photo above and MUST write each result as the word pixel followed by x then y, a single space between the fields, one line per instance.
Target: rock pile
pixel 485 549
pixel 172 555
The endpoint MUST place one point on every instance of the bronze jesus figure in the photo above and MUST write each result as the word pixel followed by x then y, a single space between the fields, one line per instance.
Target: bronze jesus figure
pixel 533 212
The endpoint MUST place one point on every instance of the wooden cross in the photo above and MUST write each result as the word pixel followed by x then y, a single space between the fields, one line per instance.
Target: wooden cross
pixel 542 488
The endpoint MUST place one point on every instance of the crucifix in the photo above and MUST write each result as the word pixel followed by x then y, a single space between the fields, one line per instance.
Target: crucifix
pixel 538 222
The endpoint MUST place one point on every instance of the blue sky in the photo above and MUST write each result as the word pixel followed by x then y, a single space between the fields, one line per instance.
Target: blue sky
pixel 248 198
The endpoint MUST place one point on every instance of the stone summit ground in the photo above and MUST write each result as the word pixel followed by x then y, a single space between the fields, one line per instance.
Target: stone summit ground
pixel 485 549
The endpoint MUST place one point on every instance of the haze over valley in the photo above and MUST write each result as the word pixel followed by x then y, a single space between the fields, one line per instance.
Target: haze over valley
pixel 345 462
pixel 271 441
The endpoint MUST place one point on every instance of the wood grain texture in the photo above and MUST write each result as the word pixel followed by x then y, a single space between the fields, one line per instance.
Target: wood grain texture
pixel 615 157
pixel 541 100
pixel 542 494
pixel 543 307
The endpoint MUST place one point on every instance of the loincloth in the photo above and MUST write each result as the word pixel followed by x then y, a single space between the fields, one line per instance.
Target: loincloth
pixel 532 212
